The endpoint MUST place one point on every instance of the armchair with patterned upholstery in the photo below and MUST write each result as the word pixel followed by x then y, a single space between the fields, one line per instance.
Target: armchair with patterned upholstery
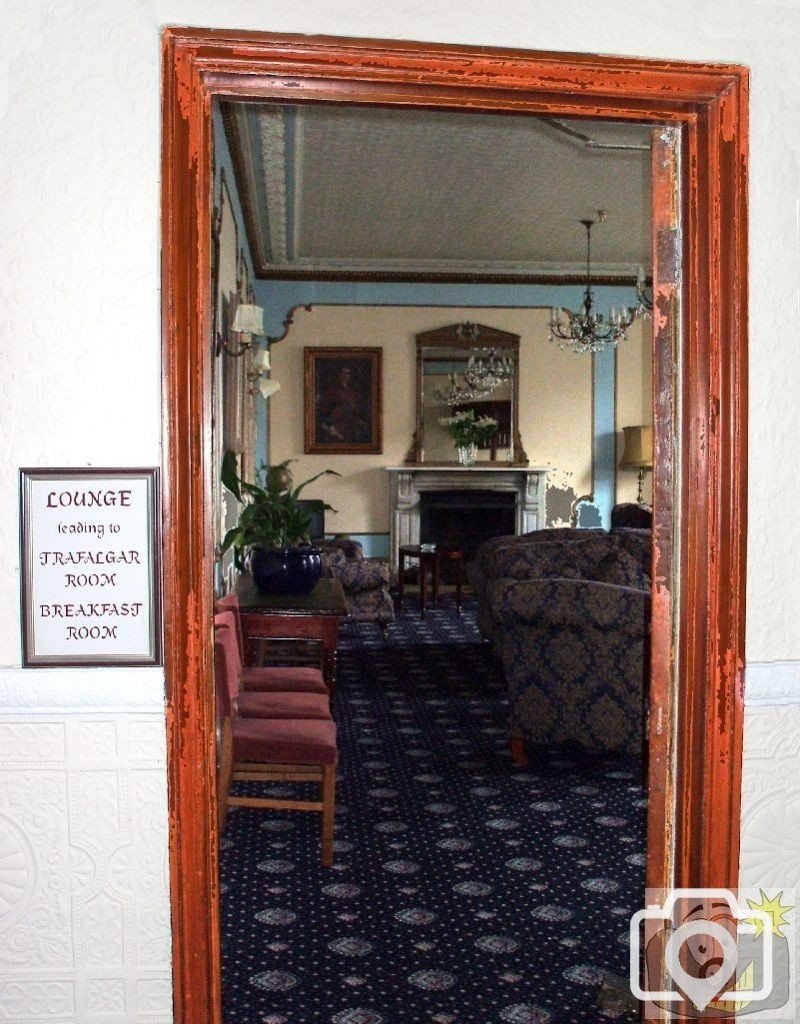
pixel 525 556
pixel 365 581
pixel 574 644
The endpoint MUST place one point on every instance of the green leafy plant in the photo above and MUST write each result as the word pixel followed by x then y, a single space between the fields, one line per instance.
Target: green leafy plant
pixel 465 429
pixel 270 516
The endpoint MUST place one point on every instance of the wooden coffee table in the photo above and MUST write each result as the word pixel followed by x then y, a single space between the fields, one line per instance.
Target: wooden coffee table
pixel 270 617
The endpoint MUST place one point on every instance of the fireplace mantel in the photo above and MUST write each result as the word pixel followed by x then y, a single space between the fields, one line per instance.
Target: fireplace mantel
pixel 406 483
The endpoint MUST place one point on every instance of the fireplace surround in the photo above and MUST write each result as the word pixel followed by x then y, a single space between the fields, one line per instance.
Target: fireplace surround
pixel 407 485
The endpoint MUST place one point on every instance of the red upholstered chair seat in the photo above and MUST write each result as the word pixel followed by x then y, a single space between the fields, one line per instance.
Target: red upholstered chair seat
pixel 284 705
pixel 289 679
pixel 284 741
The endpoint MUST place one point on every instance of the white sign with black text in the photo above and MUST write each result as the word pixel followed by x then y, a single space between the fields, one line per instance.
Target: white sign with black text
pixel 90 592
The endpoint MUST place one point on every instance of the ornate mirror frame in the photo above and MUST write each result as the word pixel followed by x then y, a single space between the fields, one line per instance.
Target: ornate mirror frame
pixel 503 343
pixel 700 405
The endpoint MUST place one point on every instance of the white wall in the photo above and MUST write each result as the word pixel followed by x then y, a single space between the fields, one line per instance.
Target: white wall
pixel 80 379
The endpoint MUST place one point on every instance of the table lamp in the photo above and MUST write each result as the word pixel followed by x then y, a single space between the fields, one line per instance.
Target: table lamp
pixel 638 452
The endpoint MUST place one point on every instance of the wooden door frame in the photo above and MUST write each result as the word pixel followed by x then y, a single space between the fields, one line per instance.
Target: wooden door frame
pixel 700 414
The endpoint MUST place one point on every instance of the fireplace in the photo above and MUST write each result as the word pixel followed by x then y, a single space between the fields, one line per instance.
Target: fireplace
pixel 464 519
pixel 494 497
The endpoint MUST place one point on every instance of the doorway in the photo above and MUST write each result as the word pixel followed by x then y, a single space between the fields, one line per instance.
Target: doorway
pixel 700 418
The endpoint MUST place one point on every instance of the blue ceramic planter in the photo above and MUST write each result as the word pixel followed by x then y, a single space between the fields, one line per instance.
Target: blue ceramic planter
pixel 292 571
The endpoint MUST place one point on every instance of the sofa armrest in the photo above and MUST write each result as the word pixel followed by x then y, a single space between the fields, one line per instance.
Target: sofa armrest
pixel 363 575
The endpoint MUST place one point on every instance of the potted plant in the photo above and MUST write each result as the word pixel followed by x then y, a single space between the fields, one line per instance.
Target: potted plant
pixel 271 538
pixel 468 431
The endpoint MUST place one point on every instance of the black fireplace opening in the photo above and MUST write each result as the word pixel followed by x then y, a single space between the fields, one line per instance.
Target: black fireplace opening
pixel 465 519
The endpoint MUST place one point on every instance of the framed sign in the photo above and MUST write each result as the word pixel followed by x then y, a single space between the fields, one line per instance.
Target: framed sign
pixel 89 542
pixel 343 400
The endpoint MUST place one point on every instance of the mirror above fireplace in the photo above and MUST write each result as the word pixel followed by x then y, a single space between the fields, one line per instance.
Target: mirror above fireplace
pixel 461 367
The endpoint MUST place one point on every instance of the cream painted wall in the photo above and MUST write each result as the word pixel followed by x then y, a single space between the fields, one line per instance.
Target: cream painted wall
pixel 634 403
pixel 555 401
pixel 80 380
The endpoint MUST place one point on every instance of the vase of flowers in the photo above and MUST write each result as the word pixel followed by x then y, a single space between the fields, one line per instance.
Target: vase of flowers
pixel 468 431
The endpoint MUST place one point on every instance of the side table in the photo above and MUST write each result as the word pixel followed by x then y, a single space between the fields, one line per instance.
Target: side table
pixel 314 617
pixel 429 558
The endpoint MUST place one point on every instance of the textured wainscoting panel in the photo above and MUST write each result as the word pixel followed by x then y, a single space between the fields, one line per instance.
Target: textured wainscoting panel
pixel 84 900
pixel 55 691
pixel 772 682
pixel 770 855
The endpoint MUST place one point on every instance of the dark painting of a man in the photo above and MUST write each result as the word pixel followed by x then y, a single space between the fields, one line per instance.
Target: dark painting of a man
pixel 343 391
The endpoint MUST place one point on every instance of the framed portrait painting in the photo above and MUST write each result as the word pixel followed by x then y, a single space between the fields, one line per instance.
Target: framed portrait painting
pixel 343 400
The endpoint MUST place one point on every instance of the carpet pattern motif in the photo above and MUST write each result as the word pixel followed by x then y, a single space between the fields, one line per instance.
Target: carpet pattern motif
pixel 464 891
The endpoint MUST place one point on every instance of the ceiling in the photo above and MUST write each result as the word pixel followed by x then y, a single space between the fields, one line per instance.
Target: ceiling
pixel 344 191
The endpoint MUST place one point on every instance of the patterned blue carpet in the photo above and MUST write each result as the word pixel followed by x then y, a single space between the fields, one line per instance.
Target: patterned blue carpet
pixel 464 891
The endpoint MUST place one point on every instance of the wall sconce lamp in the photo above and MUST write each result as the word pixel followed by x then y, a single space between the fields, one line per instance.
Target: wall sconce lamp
pixel 248 320
pixel 638 453
pixel 257 374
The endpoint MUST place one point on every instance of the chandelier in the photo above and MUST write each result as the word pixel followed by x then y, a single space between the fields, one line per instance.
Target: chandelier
pixel 485 371
pixel 644 296
pixel 586 330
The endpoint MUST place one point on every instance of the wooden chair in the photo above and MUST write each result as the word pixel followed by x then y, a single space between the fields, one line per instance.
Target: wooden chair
pixel 273 750
pixel 271 703
pixel 291 678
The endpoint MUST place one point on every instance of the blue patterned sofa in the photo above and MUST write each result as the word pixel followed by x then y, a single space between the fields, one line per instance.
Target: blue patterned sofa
pixel 570 620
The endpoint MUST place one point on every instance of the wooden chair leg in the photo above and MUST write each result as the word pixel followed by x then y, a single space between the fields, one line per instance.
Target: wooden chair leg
pixel 518 752
pixel 224 774
pixel 328 805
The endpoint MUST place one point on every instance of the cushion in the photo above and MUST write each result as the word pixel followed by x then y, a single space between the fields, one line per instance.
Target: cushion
pixel 284 705
pixel 333 559
pixel 294 679
pixel 620 568
pixel 352 548
pixel 631 514
pixel 284 741
pixel 638 543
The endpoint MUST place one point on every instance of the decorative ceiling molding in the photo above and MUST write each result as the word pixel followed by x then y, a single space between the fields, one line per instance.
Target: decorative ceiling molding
pixel 235 121
pixel 273 161
pixel 616 273
pixel 403 195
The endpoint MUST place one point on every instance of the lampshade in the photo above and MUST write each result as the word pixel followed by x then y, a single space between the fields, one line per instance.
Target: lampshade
pixel 268 386
pixel 260 360
pixel 638 453
pixel 248 320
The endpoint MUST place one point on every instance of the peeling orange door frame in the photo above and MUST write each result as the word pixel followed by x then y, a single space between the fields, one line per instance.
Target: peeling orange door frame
pixel 700 415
